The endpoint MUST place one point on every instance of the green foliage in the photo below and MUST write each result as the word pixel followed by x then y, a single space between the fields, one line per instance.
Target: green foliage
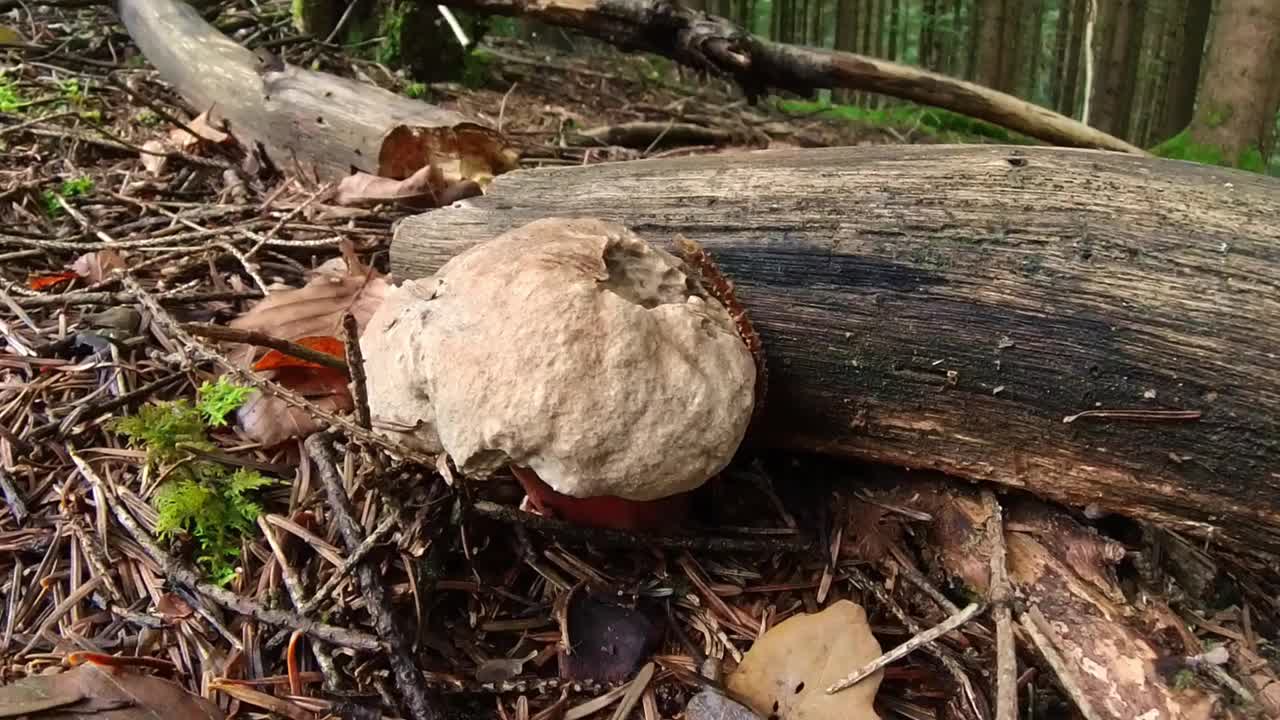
pixel 201 498
pixel 11 101
pixel 391 29
pixel 74 187
pixel 948 125
pixel 1183 147
pixel 476 68
pixel 162 428
pixel 416 90
pixel 220 399
pixel 217 512
pixel 71 90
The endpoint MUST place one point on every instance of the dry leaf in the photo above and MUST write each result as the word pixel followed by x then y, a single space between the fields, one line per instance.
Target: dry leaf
pixel 204 132
pixel 94 692
pixel 152 163
pixel 96 266
pixel 788 670
pixel 317 308
pixel 269 420
pixel 44 282
pixel 711 705
pixel 607 642
pixel 10 35
pixel 503 669
pixel 274 359
pixel 423 189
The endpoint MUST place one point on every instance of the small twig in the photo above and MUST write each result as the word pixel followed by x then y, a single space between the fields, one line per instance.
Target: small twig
pixel 1000 593
pixel 1033 621
pixel 13 498
pixel 355 361
pixel 123 298
pixel 620 538
pixel 1153 415
pixel 261 339
pixel 417 697
pixel 375 538
pixel 907 647
pixel 180 575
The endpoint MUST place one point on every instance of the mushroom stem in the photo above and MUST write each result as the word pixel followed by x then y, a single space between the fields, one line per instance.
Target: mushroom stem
pixel 606 511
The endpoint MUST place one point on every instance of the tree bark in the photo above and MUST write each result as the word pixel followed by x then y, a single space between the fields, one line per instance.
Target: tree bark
pixel 1185 78
pixel 895 30
pixel 1235 119
pixel 1069 98
pixel 928 25
pixel 1013 42
pixel 990 41
pixel 1033 54
pixel 308 123
pixel 965 330
pixel 1057 72
pixel 714 43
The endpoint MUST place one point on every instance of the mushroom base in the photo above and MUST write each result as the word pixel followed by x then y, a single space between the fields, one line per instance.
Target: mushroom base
pixel 605 511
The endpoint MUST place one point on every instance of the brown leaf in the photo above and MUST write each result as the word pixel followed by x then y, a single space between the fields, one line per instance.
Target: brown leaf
pixel 269 420
pixel 152 163
pixel 173 607
pixel 96 266
pixel 204 132
pixel 711 705
pixel 422 189
pixel 607 642
pixel 94 692
pixel 787 671
pixel 316 309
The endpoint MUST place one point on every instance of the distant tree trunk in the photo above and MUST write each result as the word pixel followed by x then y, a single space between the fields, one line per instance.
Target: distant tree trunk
pixel 877 32
pixel 1070 95
pixel 1152 75
pixel 1184 76
pixel 1061 41
pixel 895 20
pixel 928 25
pixel 1111 40
pixel 1125 58
pixel 990 42
pixel 815 23
pixel 695 4
pixel 1013 44
pixel 846 35
pixel 963 51
pixel 1234 122
pixel 1033 54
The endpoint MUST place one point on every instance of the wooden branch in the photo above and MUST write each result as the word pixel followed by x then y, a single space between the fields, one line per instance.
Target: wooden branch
pixel 947 307
pixel 711 43
pixel 313 124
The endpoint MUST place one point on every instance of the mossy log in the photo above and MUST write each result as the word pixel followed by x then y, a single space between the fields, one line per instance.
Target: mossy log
pixel 1099 329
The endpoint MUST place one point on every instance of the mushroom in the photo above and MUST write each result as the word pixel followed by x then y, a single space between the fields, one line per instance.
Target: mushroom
pixel 593 364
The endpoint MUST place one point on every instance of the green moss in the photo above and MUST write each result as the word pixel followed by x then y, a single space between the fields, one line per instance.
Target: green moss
pixel 11 101
pixel 1182 147
pixel 220 399
pixel 944 124
pixel 477 68
pixel 391 29
pixel 74 187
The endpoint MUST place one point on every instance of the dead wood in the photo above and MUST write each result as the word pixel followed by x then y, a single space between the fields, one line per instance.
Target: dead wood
pixel 307 123
pixel 708 42
pixel 949 307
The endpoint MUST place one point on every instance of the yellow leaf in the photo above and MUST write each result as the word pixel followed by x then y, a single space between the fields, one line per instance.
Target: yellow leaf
pixel 788 670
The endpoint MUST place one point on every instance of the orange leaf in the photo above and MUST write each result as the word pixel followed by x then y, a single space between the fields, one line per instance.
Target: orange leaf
pixel 326 344
pixel 44 282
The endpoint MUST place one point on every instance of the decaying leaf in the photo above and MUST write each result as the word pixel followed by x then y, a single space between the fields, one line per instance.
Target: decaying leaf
pixel 503 669
pixel 44 282
pixel 787 671
pixel 202 131
pixel 316 309
pixel 602 641
pixel 711 705
pixel 152 162
pixel 96 266
pixel 268 420
pixel 424 189
pixel 464 151
pixel 90 691
pixel 275 359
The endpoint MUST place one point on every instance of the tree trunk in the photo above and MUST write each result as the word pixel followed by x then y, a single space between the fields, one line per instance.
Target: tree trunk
pixel 846 36
pixel 1095 328
pixel 815 24
pixel 1235 118
pixel 895 29
pixel 1033 54
pixel 990 42
pixel 1013 42
pixel 1058 70
pixel 928 23
pixel 1185 77
pixel 1069 99
pixel 1120 34
pixel 307 123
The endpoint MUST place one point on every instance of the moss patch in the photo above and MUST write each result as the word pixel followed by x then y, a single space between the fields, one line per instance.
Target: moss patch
pixel 1182 147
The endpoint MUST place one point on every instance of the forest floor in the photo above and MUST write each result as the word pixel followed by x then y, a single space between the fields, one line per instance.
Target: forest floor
pixel 83 193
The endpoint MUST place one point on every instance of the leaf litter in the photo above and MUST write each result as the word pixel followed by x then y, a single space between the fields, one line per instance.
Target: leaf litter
pixel 476 598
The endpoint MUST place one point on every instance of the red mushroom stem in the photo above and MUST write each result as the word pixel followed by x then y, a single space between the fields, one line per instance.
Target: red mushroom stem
pixel 606 511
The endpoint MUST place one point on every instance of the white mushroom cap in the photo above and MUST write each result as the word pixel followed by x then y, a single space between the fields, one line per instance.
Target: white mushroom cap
pixel 569 346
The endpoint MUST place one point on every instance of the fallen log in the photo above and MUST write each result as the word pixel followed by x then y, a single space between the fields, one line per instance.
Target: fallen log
pixel 715 44
pixel 309 124
pixel 1095 328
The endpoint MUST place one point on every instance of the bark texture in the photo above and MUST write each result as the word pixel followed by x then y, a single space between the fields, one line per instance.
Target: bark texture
pixel 716 44
pixel 306 122
pixel 950 307
pixel 1185 73
pixel 990 37
pixel 1119 40
pixel 1237 109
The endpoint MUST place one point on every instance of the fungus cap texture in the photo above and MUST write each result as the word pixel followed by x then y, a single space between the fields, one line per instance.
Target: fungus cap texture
pixel 571 347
